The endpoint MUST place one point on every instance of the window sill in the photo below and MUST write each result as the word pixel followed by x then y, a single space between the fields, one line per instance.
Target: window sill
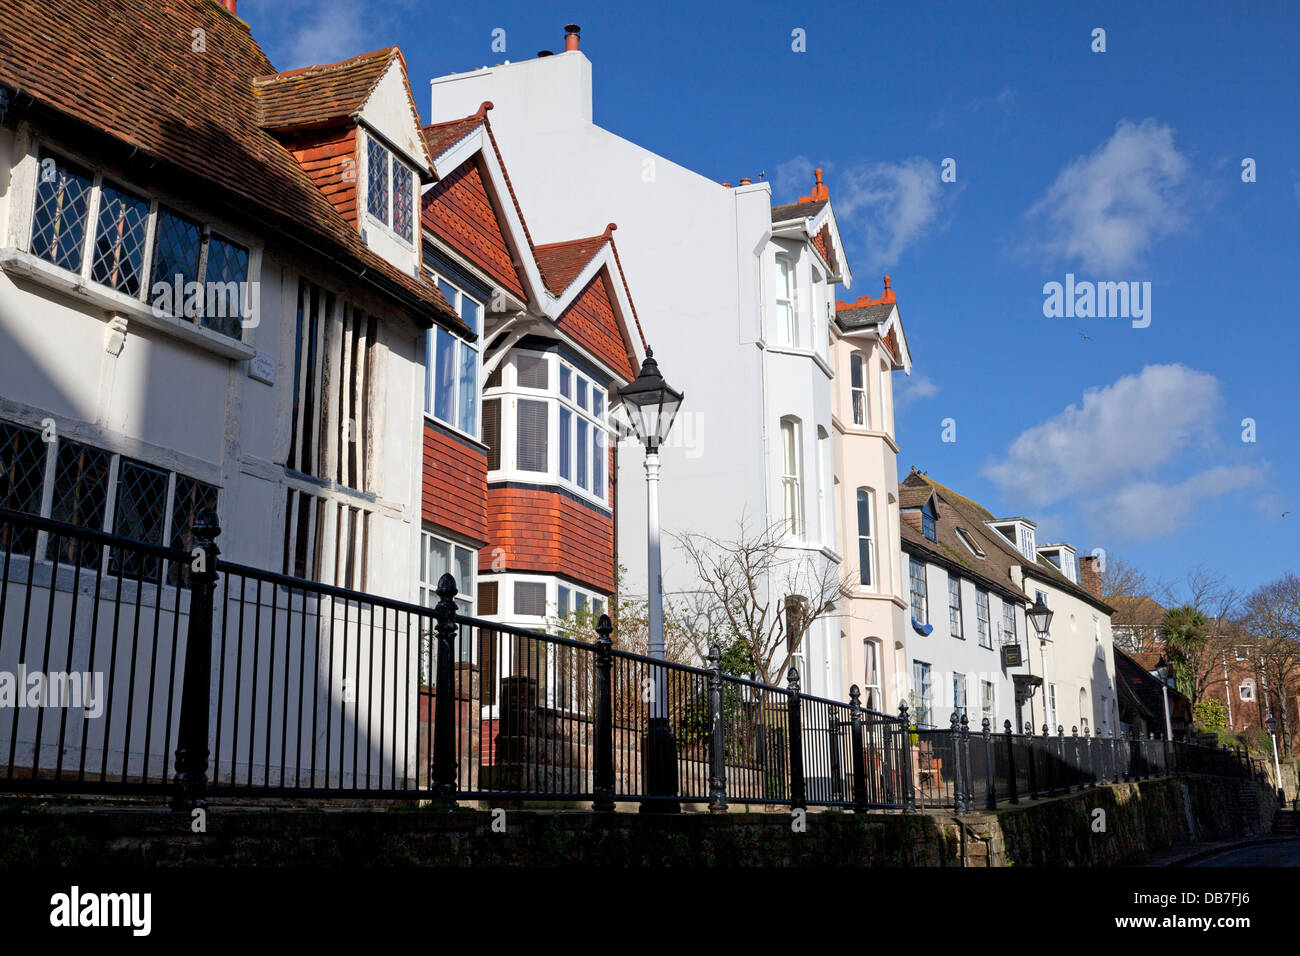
pixel 453 430
pixel 17 262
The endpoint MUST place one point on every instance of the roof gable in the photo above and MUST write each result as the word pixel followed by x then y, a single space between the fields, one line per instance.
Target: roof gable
pixel 461 211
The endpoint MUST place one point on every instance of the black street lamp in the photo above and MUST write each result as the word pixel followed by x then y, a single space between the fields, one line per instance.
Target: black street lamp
pixel 1040 616
pixel 650 406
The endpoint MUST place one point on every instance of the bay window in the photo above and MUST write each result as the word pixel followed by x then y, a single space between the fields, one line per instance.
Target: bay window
pixel 544 420
pixel 451 365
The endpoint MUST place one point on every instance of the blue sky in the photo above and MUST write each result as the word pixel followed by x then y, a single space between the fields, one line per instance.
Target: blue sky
pixel 1117 166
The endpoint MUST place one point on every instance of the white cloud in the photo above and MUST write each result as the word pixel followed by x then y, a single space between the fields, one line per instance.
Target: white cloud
pixel 1149 509
pixel 1106 209
pixel 914 388
pixel 1105 452
pixel 889 206
pixel 1126 428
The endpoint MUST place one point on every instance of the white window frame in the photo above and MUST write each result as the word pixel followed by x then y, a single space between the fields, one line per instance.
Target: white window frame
pixel 1246 690
pixel 955 624
pixel 871 675
pixel 859 392
pixel 391 158
pixel 913 577
pixel 959 700
pixel 786 333
pixel 868 540
pixel 983 617
pixel 460 347
pixel 988 702
pixel 792 476
pixel 510 393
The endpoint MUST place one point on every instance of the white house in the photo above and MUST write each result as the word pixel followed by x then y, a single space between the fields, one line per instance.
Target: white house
pixel 742 298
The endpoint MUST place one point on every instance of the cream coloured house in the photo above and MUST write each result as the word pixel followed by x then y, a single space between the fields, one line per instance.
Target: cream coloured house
pixel 867 346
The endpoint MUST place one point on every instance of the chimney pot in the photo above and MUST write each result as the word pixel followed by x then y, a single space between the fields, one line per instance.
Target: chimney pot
pixel 230 5
pixel 571 34
pixel 746 181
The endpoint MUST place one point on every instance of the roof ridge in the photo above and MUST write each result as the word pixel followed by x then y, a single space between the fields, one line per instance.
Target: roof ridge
pixel 317 68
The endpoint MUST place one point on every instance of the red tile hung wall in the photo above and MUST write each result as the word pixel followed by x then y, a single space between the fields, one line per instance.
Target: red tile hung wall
pixel 459 212
pixel 454 487
pixel 549 533
pixel 591 321
pixel 330 159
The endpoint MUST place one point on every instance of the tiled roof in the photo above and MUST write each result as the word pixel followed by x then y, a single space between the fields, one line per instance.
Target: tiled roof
pixel 1136 610
pixel 125 68
pixel 973 515
pixel 861 317
pixel 797 210
pixel 440 137
pixel 994 568
pixel 1150 692
pixel 318 95
pixel 562 262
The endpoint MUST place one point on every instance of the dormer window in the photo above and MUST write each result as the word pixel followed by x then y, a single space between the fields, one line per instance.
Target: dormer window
pixel 1061 557
pixel 928 516
pixel 1020 532
pixel 390 192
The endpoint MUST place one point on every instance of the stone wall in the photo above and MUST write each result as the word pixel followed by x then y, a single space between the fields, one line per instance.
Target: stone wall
pixel 1140 818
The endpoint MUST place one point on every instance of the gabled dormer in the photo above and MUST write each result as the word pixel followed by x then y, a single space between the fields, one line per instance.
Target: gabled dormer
pixel 354 129
pixel 1062 557
pixel 1019 532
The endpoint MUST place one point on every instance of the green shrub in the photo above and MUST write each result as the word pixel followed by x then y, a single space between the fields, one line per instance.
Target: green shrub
pixel 1210 715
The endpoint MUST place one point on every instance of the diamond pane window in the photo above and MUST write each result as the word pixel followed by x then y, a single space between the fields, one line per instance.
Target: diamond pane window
pixel 191 497
pixel 402 199
pixel 377 179
pixel 225 282
pixel 119 239
pixel 140 514
pixel 59 218
pixel 176 247
pixel 22 479
pixel 80 498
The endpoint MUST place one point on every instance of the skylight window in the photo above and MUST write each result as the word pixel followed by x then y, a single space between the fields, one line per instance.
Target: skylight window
pixel 971 545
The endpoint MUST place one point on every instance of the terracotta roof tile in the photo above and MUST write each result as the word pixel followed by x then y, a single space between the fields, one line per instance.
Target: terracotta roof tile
pixel 562 262
pixel 441 137
pixel 126 68
pixel 317 95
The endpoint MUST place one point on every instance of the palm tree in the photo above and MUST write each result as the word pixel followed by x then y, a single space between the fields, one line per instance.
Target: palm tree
pixel 1185 631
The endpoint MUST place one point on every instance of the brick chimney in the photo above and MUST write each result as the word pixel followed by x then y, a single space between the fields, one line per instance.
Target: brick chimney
pixel 571 34
pixel 1090 574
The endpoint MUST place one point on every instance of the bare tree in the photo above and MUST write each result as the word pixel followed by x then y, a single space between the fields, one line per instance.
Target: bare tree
pixel 1120 579
pixel 1273 616
pixel 759 591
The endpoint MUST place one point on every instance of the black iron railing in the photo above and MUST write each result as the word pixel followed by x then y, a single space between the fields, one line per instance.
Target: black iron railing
pixel 267 685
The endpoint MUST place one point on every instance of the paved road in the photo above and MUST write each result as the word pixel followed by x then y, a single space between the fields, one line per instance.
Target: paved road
pixel 1278 853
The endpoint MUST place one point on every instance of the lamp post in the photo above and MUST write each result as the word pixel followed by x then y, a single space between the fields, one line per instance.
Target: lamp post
pixel 650 407
pixel 1271 724
pixel 1040 616
pixel 1165 672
